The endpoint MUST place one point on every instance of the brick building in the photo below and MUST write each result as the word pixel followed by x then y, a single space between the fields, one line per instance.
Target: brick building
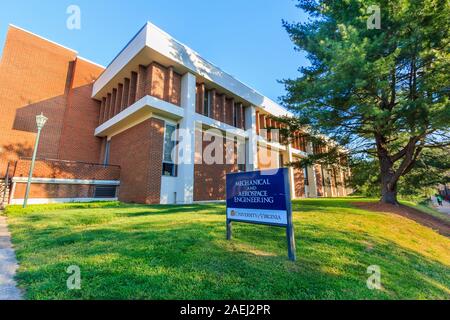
pixel 158 125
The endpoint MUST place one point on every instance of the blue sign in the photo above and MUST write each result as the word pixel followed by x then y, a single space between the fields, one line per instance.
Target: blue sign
pixel 261 197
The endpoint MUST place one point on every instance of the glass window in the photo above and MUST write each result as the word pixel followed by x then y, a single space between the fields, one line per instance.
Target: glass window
pixel 281 160
pixel 305 174
pixel 169 166
pixel 235 115
pixel 206 105
pixel 107 152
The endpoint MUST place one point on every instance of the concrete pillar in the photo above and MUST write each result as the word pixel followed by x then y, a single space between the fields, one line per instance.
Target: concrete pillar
pixel 311 175
pixel 185 185
pixel 252 142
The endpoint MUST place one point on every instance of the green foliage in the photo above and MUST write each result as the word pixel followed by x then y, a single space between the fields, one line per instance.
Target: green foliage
pixel 382 92
pixel 180 252
pixel 432 168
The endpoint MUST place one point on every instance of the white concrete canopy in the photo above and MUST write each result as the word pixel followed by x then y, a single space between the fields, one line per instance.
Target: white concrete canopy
pixel 153 44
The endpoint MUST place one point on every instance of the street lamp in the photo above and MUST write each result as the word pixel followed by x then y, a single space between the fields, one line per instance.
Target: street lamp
pixel 40 123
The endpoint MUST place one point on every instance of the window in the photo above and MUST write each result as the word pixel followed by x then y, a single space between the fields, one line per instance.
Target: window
pixel 105 191
pixel 169 167
pixel 207 103
pixel 107 152
pixel 236 115
pixel 281 161
pixel 305 174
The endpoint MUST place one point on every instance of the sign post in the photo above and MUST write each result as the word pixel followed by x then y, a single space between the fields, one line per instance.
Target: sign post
pixel 261 197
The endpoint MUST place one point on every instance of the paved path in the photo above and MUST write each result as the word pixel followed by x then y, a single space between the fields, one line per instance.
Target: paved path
pixel 445 208
pixel 8 265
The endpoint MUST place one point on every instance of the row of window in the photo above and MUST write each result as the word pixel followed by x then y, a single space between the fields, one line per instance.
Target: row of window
pixel 220 107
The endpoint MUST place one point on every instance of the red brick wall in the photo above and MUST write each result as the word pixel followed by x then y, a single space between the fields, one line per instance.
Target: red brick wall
pixel 67 170
pixel 39 76
pixel 154 80
pixel 43 191
pixel 138 151
pixel 209 180
pixel 319 181
pixel 34 78
pixel 78 141
pixel 299 179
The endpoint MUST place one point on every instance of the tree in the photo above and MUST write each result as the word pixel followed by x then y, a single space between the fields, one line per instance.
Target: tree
pixel 382 92
pixel 431 169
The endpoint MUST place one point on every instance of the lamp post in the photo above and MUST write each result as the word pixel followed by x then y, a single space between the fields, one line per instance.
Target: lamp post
pixel 40 122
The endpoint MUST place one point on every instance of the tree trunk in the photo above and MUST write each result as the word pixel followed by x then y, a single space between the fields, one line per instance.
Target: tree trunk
pixel 389 194
pixel 388 181
pixel 388 185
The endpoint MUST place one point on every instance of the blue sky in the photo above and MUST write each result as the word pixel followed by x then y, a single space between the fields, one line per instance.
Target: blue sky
pixel 243 37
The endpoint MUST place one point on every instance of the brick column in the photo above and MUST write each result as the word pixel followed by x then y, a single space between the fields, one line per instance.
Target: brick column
pixel 108 107
pixel 223 112
pixel 185 185
pixel 119 99
pixel 112 109
pixel 102 111
pixel 141 82
pixel 126 94
pixel 133 88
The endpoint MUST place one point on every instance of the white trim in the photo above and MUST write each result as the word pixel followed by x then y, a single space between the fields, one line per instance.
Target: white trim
pixel 91 62
pixel 153 104
pixel 66 181
pixel 201 119
pixel 273 145
pixel 166 120
pixel 119 62
pixel 299 152
pixel 42 38
pixel 60 200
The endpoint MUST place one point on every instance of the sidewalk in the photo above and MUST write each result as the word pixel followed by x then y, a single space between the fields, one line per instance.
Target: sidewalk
pixel 8 265
pixel 445 208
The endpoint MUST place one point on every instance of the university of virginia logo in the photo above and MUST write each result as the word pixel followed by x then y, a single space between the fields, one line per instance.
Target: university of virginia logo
pixel 233 213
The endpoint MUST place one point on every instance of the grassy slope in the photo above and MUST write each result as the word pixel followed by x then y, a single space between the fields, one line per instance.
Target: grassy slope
pixel 164 252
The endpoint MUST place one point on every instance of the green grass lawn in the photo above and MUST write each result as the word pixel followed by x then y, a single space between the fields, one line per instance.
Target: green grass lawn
pixel 169 252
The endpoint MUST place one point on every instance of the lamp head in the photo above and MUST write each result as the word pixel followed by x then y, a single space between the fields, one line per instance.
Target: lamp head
pixel 40 121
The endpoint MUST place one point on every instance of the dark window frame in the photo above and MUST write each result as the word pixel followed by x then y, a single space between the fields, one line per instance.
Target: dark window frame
pixel 169 167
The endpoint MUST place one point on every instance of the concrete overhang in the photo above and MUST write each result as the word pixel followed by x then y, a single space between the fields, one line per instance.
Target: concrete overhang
pixel 153 44
pixel 141 110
